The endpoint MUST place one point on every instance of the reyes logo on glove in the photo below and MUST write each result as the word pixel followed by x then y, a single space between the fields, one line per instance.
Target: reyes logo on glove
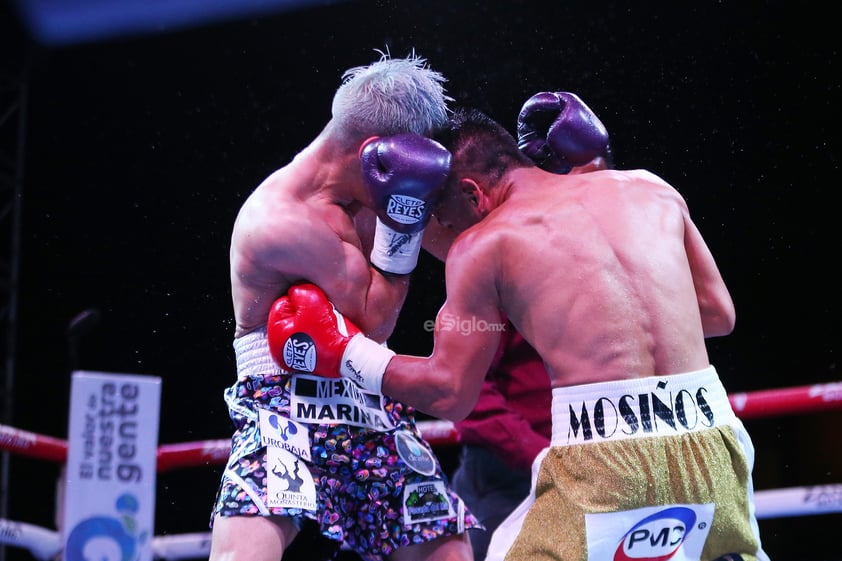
pixel 300 353
pixel 405 209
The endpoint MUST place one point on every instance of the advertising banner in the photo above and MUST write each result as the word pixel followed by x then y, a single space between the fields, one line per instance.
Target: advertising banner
pixel 109 488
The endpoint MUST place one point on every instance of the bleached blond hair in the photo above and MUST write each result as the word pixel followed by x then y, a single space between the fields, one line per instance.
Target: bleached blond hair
pixel 390 96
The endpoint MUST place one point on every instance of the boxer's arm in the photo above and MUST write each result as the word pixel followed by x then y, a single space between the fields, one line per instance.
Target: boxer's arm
pixel 386 293
pixel 405 175
pixel 375 302
pixel 715 304
pixel 467 334
pixel 447 383
pixel 311 251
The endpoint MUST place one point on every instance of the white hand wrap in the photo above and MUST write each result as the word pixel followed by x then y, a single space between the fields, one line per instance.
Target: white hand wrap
pixel 364 362
pixel 393 251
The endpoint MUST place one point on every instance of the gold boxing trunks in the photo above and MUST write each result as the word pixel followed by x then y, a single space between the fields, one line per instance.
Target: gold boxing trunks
pixel 639 469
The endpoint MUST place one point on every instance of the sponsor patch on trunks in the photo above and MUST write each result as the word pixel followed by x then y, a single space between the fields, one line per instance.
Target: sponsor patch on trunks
pixel 415 453
pixel 289 483
pixel 277 431
pixel 426 501
pixel 662 533
pixel 336 401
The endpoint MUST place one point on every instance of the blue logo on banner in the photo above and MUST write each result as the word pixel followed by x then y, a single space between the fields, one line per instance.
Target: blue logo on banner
pixel 107 538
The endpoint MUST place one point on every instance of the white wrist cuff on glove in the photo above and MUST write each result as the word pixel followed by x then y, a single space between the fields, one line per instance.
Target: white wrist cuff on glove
pixel 393 251
pixel 364 362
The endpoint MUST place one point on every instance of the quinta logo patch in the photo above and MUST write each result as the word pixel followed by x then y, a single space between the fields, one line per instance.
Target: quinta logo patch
pixel 657 537
pixel 300 353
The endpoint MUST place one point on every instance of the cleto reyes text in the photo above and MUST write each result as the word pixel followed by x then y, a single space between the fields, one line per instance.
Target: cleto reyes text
pixel 405 210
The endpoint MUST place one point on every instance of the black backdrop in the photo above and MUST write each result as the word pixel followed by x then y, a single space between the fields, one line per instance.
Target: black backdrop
pixel 139 152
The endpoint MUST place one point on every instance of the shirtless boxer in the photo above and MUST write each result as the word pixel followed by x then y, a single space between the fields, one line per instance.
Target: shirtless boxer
pixel 608 278
pixel 511 421
pixel 305 452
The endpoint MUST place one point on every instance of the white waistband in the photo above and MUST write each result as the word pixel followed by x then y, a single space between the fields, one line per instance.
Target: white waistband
pixel 639 407
pixel 253 357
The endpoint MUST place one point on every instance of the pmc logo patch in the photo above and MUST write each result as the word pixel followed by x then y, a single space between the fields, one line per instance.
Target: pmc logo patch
pixel 300 353
pixel 657 537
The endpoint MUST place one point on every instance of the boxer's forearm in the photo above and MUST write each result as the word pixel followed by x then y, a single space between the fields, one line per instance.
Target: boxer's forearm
pixel 434 391
pixel 383 302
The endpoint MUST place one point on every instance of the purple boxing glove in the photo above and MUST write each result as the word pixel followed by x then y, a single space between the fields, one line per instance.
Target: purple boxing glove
pixel 558 131
pixel 405 174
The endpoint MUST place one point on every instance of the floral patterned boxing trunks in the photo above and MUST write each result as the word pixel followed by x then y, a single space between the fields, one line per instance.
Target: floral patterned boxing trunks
pixel 371 483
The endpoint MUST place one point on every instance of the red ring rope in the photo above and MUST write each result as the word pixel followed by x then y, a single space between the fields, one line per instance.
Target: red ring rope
pixel 787 401
pixel 33 445
pixel 751 405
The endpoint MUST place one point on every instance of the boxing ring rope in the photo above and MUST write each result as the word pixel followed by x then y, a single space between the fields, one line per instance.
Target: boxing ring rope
pixel 45 544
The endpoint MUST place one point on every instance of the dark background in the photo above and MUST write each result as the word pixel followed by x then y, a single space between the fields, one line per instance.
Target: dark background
pixel 140 150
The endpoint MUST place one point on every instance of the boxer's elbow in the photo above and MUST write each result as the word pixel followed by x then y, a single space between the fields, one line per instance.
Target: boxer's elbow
pixel 379 322
pixel 719 320
pixel 434 391
pixel 720 326
pixel 450 408
pixel 449 400
pixel 380 330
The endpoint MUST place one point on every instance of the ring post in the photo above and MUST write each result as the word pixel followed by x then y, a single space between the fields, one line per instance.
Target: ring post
pixel 109 488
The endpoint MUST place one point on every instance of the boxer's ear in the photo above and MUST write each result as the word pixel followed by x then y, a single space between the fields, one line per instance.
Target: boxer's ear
pixel 471 191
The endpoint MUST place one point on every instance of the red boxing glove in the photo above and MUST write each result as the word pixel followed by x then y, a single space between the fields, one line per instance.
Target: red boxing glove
pixel 307 334
pixel 300 323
